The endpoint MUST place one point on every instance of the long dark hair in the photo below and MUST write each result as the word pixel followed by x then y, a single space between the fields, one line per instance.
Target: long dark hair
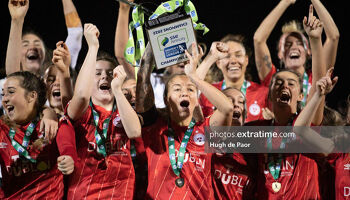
pixel 30 82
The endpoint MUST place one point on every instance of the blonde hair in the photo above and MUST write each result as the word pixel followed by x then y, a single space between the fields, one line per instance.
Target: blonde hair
pixel 292 26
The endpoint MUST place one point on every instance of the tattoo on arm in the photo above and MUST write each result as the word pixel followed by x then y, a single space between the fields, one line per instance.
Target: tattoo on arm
pixel 144 91
pixel 267 61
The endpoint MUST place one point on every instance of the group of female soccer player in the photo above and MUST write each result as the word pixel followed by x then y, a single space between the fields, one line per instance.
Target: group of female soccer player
pixel 108 139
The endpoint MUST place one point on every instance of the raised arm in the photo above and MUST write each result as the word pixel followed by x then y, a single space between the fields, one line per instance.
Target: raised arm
pixel 313 27
pixel 74 29
pixel 331 44
pixel 218 50
pixel 323 87
pixel 18 10
pixel 128 115
pixel 223 115
pixel 84 85
pixel 66 144
pixel 262 52
pixel 144 90
pixel 61 58
pixel 121 38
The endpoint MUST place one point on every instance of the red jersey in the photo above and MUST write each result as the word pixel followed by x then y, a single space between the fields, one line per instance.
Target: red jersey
pixel 341 163
pixel 65 139
pixel 268 77
pixel 196 169
pixel 256 97
pixel 139 160
pixel 96 176
pixel 298 179
pixel 299 176
pixel 23 179
pixel 232 176
pixel 139 151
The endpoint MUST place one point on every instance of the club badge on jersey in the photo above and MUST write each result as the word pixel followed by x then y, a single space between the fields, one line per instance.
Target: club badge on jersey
pixel 199 138
pixel 254 109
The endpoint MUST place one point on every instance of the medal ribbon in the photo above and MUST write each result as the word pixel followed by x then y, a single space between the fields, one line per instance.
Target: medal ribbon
pixel 101 139
pixel 244 87
pixel 275 168
pixel 177 166
pixel 305 88
pixel 282 145
pixel 170 6
pixel 22 148
pixel 133 54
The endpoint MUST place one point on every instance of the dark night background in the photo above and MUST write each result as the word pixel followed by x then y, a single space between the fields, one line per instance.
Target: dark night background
pixel 222 17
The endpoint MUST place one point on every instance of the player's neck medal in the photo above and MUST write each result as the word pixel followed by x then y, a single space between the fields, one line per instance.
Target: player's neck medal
pixel 275 170
pixel 101 138
pixel 179 182
pixel 177 165
pixel 276 186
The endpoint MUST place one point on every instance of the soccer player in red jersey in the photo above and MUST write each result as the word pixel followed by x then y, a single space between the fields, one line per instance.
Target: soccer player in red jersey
pixel 158 80
pixel 293 48
pixel 231 58
pixel 103 128
pixel 178 167
pixel 137 150
pixel 340 161
pixel 233 173
pixel 26 49
pixel 297 175
pixel 27 158
pixel 277 172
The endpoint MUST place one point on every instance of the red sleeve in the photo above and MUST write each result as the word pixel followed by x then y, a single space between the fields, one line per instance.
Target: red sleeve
pixel 66 139
pixel 268 78
pixel 140 150
pixel 84 118
pixel 207 107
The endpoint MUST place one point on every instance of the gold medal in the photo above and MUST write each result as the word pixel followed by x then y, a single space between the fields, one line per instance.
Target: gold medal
pixel 276 186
